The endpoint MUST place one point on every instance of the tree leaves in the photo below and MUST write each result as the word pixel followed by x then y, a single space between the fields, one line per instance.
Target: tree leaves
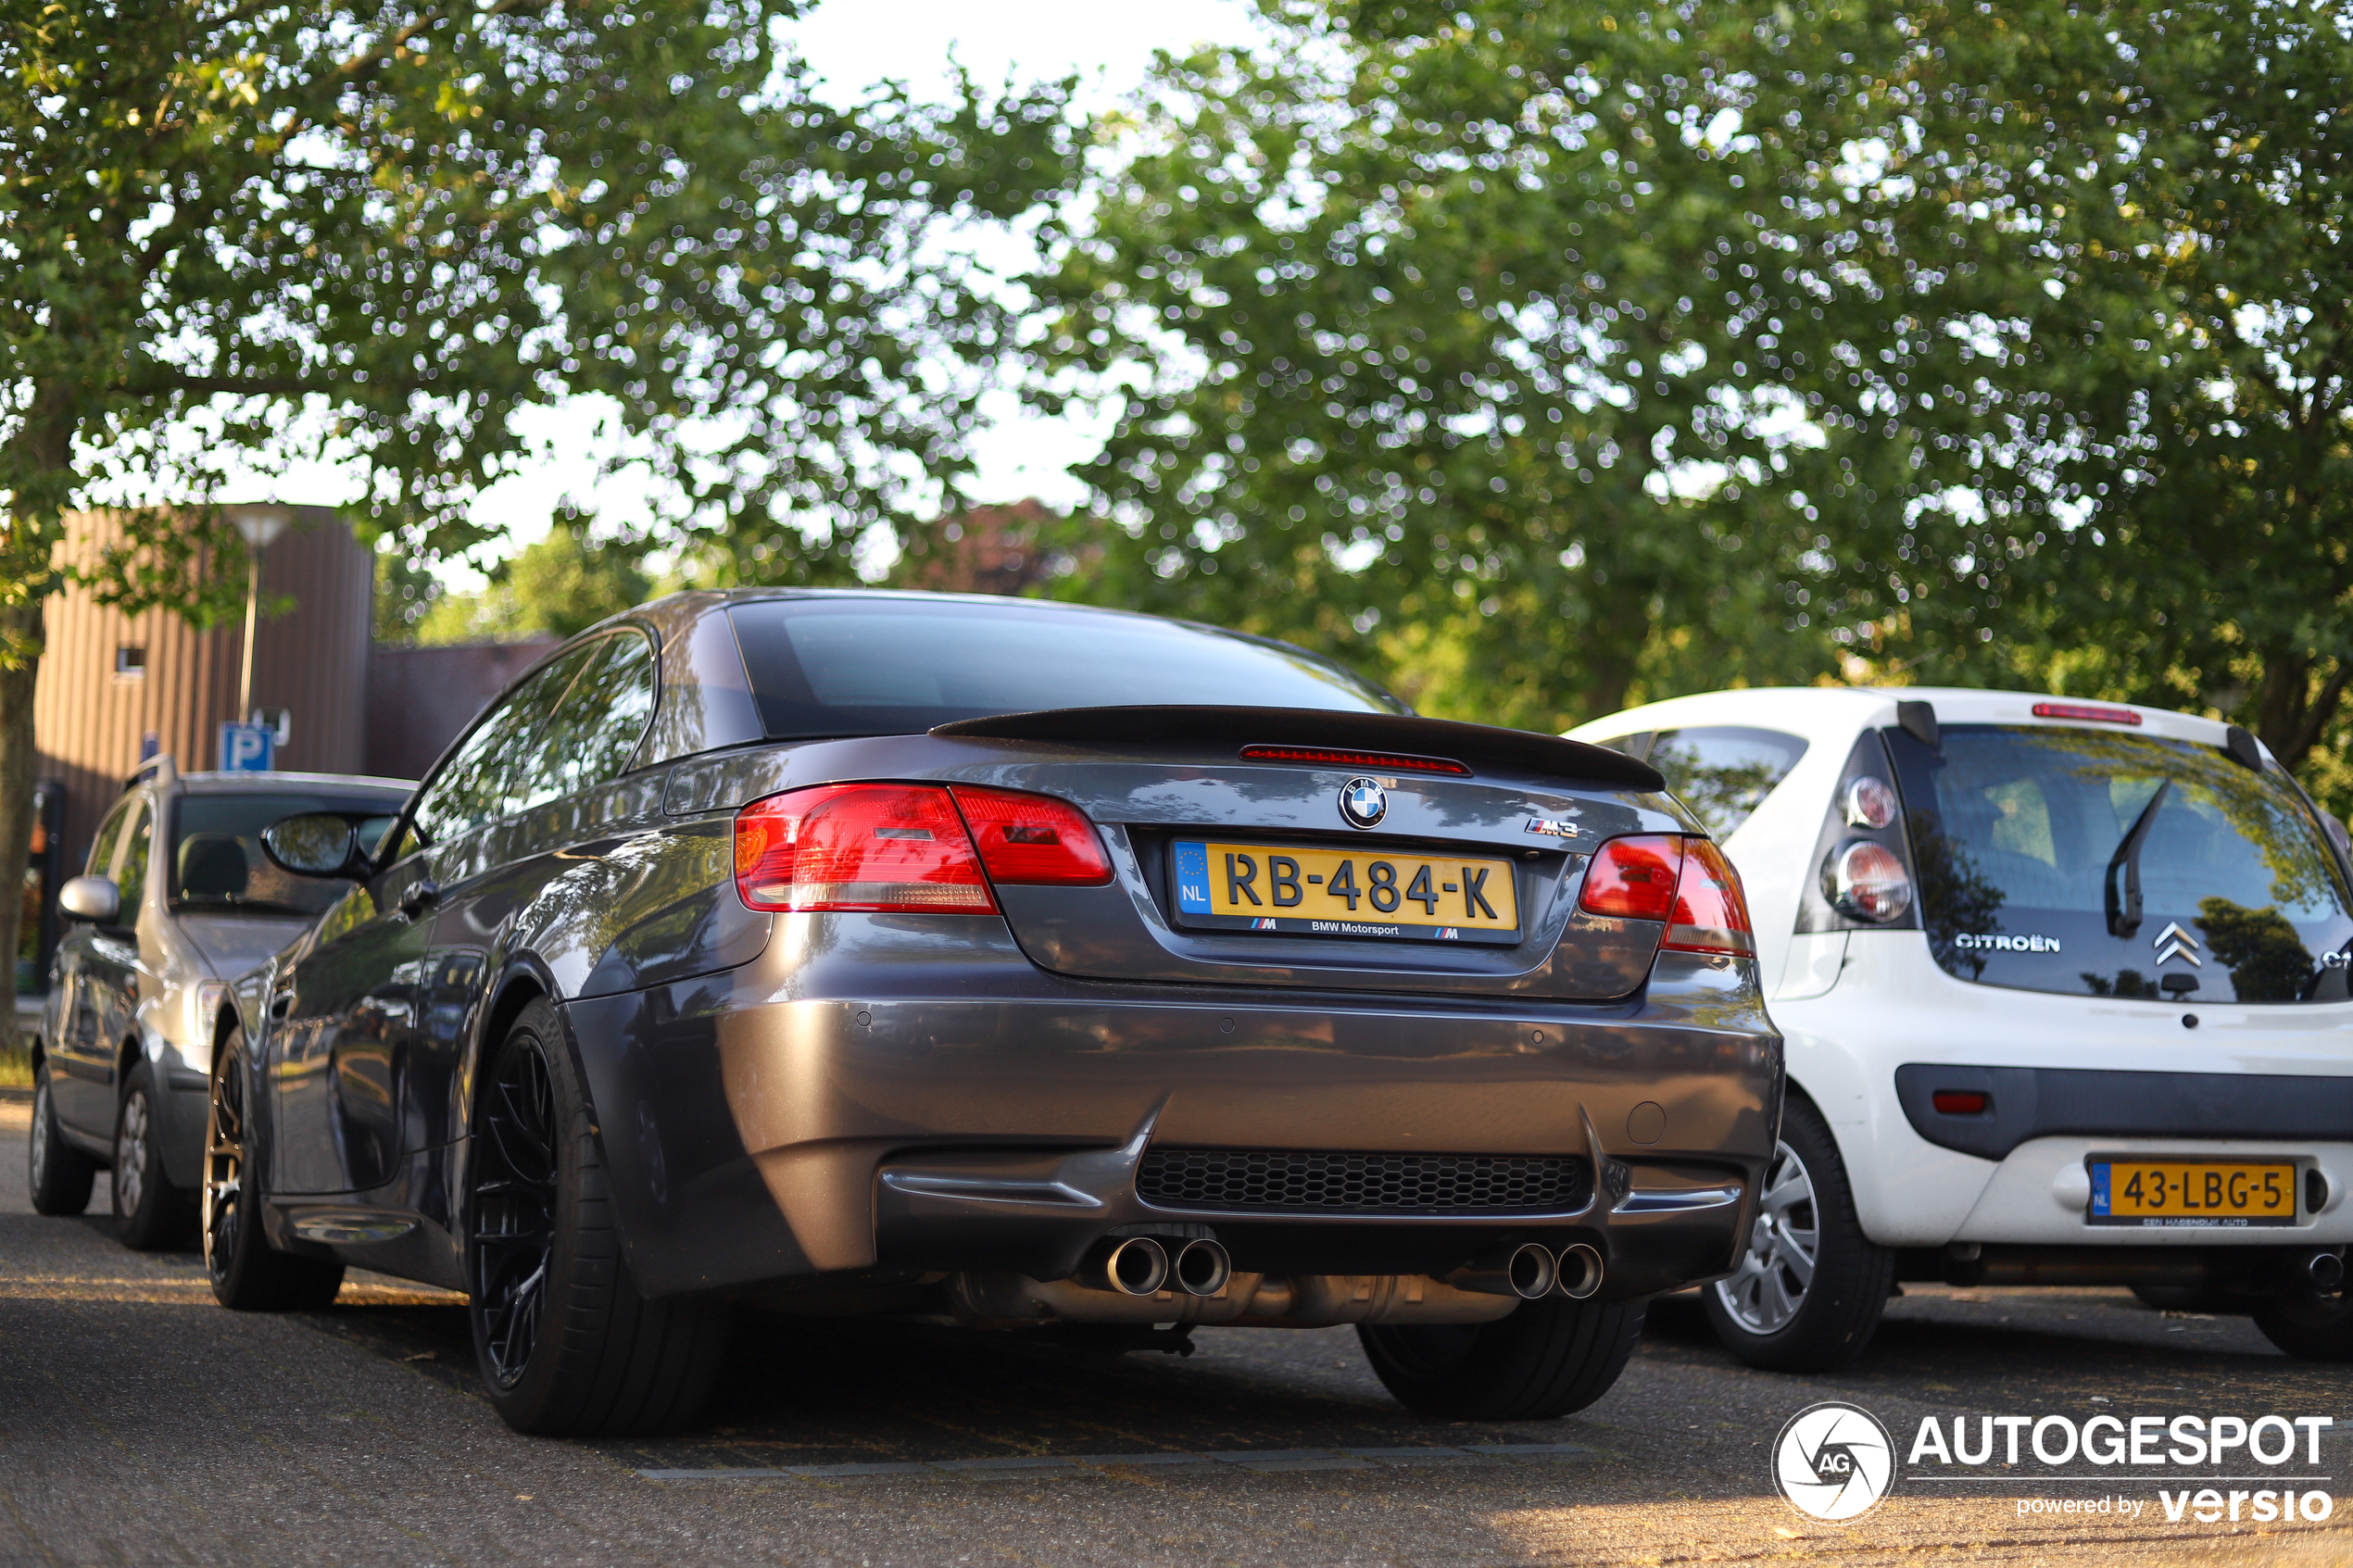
pixel 379 229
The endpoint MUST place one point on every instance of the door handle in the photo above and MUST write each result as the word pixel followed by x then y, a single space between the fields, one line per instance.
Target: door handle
pixel 422 895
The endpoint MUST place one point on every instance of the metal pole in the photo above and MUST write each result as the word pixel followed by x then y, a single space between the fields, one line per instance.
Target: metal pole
pixel 253 599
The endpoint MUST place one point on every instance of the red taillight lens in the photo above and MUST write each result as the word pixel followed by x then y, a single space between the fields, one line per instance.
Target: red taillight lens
pixel 1867 880
pixel 1711 914
pixel 1959 1102
pixel 1034 839
pixel 887 847
pixel 1634 878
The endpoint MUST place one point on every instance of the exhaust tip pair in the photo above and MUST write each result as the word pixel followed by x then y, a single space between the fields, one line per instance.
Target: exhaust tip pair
pixel 1532 1273
pixel 1141 1265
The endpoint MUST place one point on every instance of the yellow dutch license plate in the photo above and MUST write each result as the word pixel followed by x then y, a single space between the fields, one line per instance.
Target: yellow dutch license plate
pixel 1310 891
pixel 2167 1193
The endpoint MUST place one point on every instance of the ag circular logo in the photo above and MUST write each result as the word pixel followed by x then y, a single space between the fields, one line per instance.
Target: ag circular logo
pixel 1833 1461
pixel 1363 802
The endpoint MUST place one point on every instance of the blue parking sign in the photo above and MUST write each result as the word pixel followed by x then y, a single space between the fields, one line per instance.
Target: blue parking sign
pixel 246 748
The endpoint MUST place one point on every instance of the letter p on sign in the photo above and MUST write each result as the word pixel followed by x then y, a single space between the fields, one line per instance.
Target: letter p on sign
pixel 246 748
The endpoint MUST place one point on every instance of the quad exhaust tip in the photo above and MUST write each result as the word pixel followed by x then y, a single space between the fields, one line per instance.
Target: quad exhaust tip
pixel 1580 1272
pixel 1201 1268
pixel 1531 1273
pixel 1525 1270
pixel 1136 1266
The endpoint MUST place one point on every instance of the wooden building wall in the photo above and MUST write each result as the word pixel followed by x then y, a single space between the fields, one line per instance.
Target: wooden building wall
pixel 313 661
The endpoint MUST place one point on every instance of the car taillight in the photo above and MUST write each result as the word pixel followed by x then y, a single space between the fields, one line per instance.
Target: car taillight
pixel 1869 803
pixel 873 847
pixel 1711 914
pixel 1634 878
pixel 1868 880
pixel 1033 840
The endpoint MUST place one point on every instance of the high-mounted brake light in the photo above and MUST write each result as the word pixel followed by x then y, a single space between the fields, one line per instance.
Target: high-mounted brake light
pixel 1634 878
pixel 1033 840
pixel 874 846
pixel 2092 712
pixel 1324 757
pixel 1711 913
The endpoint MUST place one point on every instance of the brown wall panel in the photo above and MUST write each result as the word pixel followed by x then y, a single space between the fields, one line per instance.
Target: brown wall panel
pixel 420 698
pixel 313 661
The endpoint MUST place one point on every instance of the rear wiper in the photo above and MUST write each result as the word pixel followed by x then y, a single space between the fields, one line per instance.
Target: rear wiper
pixel 2124 913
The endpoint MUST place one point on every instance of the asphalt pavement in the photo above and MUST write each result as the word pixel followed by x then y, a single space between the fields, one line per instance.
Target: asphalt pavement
pixel 140 1423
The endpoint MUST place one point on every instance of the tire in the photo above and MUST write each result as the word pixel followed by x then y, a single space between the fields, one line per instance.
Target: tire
pixel 1547 1359
pixel 150 1214
pixel 2310 1328
pixel 1810 1288
pixel 248 1274
pixel 60 1177
pixel 567 1346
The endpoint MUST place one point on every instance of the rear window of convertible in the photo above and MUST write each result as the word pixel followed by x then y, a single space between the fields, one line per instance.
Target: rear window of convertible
pixel 884 666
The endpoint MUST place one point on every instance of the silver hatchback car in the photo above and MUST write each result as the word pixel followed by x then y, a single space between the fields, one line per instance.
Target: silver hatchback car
pixel 176 899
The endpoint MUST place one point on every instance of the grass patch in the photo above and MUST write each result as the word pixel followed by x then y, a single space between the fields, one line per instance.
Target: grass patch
pixel 16 1064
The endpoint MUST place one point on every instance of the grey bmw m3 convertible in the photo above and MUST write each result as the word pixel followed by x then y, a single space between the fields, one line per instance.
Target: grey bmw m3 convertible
pixel 1042 969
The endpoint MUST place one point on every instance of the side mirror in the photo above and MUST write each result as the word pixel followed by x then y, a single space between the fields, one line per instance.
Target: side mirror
pixel 91 899
pixel 316 844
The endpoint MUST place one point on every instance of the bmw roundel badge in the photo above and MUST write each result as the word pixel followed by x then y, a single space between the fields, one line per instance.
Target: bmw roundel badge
pixel 1363 802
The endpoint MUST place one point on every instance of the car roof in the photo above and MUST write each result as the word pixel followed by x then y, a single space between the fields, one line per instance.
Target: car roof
pixel 1819 710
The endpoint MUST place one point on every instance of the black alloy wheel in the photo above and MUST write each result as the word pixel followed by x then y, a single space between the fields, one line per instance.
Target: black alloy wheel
pixel 566 1343
pixel 150 1214
pixel 514 1209
pixel 248 1274
pixel 1547 1359
pixel 60 1177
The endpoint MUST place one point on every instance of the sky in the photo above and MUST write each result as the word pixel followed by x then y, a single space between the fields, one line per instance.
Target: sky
pixel 853 44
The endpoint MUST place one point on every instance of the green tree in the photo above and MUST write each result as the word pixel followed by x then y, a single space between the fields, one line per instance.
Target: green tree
pixel 407 592
pixel 1416 356
pixel 1546 356
pixel 235 236
pixel 560 585
pixel 2089 367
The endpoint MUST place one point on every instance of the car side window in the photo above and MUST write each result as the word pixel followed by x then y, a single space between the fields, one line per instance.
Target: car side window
pixel 489 777
pixel 110 834
pixel 1724 772
pixel 596 726
pixel 132 878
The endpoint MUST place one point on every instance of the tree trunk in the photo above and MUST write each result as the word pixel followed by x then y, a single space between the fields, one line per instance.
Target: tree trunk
pixel 21 627
pixel 2290 716
pixel 1617 629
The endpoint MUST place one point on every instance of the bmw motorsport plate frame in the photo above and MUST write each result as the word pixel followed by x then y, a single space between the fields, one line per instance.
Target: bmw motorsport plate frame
pixel 1305 890
pixel 2155 1192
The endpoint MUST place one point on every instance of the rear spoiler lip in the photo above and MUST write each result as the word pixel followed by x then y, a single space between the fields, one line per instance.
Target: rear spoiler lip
pixel 1479 746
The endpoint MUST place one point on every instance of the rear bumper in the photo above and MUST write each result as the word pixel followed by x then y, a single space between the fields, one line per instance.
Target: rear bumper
pixel 756 1132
